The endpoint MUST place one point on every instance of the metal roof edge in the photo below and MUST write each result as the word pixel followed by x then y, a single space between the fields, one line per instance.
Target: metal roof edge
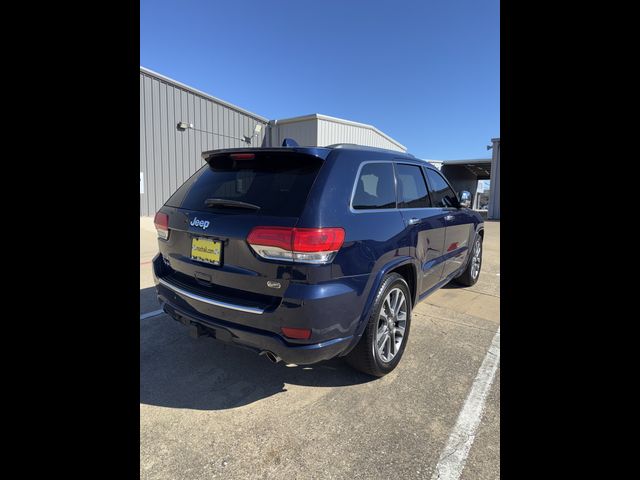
pixel 302 118
pixel 463 161
pixel 159 76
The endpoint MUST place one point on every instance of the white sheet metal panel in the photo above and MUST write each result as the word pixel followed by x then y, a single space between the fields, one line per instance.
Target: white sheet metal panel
pixel 168 155
pixel 332 130
pixel 322 130
pixel 305 133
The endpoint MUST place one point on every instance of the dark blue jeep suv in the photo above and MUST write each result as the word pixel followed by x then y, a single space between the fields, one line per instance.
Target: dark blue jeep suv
pixel 308 253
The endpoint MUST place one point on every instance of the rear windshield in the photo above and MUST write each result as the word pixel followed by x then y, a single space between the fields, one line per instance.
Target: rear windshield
pixel 276 182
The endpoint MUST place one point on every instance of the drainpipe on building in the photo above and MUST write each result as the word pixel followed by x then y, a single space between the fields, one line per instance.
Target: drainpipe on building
pixel 272 128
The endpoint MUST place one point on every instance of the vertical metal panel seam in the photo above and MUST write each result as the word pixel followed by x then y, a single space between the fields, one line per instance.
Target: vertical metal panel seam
pixel 146 169
pixel 166 121
pixel 146 140
pixel 158 167
pixel 152 157
pixel 164 145
pixel 189 134
pixel 171 162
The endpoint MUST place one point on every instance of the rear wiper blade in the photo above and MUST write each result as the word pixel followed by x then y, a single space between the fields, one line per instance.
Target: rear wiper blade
pixel 223 202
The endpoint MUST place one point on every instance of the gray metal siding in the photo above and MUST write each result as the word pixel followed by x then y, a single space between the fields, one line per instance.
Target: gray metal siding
pixel 304 133
pixel 169 156
pixel 317 131
pixel 494 194
pixel 335 132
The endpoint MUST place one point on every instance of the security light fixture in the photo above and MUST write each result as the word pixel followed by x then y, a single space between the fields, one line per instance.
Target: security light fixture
pixel 256 131
pixel 184 125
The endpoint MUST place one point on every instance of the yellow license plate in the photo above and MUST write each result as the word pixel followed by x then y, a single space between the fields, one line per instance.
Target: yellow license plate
pixel 206 250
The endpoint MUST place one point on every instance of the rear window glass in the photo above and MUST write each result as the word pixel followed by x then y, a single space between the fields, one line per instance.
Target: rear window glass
pixel 278 183
pixel 375 188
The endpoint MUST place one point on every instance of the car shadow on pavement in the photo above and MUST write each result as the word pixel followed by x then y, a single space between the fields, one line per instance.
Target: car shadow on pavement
pixel 180 372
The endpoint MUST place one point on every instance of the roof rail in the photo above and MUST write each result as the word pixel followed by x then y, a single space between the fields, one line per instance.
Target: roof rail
pixel 355 146
pixel 344 145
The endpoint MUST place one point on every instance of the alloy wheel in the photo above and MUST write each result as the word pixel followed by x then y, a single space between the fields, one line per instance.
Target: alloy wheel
pixel 392 323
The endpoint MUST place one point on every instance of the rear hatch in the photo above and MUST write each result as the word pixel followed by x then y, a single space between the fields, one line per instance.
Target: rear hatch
pixel 211 215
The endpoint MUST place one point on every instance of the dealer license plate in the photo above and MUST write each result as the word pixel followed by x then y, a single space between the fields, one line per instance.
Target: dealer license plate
pixel 206 250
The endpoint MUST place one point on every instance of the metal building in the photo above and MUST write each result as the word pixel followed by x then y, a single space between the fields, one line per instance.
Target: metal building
pixel 178 123
pixel 464 175
pixel 494 199
pixel 321 130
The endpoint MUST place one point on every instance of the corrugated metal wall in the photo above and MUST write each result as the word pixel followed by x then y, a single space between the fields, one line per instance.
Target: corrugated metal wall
pixel 169 156
pixel 494 194
pixel 330 132
pixel 305 133
pixel 320 130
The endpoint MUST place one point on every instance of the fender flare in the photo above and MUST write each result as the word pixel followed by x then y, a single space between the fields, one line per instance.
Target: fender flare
pixel 479 228
pixel 379 277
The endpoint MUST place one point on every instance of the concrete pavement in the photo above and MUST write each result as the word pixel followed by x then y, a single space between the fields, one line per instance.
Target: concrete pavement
pixel 213 411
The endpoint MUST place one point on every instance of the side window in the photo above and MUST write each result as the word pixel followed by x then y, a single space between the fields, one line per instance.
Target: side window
pixel 412 190
pixel 441 194
pixel 375 187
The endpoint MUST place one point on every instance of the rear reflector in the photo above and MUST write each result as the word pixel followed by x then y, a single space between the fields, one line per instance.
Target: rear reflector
pixel 302 245
pixel 297 333
pixel 161 222
pixel 243 156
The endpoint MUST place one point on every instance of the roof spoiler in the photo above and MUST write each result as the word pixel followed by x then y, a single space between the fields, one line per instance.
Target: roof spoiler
pixel 320 152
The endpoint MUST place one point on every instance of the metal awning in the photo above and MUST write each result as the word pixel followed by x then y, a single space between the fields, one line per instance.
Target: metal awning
pixel 481 167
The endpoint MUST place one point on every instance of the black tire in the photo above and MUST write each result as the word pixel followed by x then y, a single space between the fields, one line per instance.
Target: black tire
pixel 364 356
pixel 467 278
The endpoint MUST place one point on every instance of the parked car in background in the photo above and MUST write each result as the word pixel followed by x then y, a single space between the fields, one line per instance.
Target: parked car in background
pixel 303 254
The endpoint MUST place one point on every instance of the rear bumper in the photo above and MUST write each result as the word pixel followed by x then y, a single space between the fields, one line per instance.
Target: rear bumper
pixel 257 341
pixel 331 310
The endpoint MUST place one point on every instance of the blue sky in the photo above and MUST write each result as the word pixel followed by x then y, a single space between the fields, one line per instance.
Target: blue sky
pixel 427 73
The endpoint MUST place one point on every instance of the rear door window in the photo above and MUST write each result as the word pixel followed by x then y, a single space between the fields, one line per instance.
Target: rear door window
pixel 278 183
pixel 412 189
pixel 441 193
pixel 375 187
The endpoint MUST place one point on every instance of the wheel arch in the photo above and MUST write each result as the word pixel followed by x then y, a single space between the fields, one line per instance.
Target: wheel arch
pixel 479 230
pixel 404 264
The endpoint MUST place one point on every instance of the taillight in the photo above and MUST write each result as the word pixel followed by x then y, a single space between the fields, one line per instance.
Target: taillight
pixel 161 222
pixel 301 245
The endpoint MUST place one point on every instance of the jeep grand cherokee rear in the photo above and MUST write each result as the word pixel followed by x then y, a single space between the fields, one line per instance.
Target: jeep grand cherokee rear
pixel 308 253
pixel 233 264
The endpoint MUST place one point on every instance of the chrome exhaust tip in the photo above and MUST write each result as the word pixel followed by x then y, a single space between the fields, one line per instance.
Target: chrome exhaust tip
pixel 272 357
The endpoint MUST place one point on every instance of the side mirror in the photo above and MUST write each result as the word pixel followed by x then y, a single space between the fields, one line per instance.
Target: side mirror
pixel 465 199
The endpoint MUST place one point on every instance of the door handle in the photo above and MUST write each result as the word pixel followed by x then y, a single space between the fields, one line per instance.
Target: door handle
pixel 414 221
pixel 449 218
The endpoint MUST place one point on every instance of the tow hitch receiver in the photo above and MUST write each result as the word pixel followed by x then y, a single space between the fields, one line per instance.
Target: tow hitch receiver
pixel 195 330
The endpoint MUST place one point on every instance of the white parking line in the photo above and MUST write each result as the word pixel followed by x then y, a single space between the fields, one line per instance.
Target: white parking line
pixel 155 313
pixel 453 457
